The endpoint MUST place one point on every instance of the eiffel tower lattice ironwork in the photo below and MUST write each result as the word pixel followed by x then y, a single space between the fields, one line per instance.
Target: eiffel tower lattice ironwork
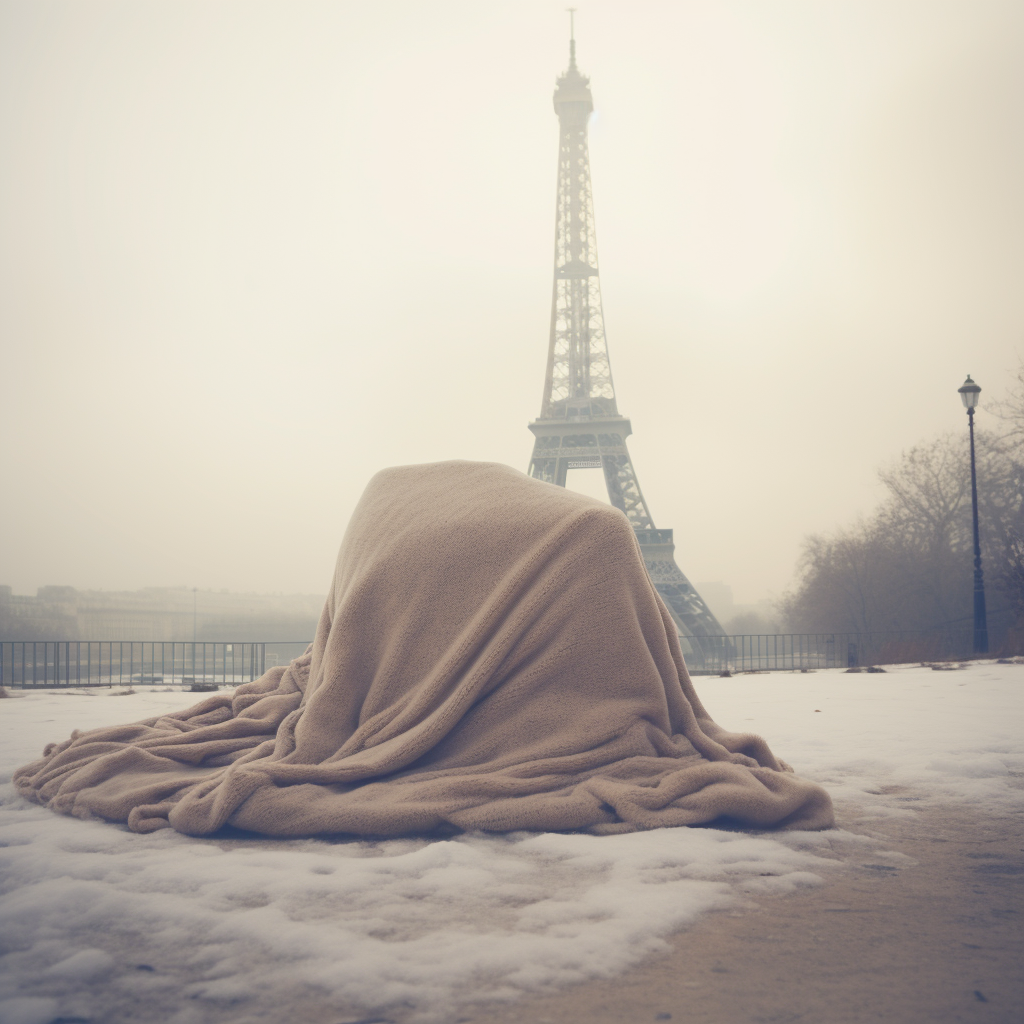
pixel 579 425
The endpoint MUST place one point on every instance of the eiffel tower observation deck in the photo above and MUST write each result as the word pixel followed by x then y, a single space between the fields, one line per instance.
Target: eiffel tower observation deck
pixel 580 426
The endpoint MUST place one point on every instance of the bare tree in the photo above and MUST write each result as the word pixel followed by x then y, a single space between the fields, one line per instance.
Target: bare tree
pixel 1011 410
pixel 908 566
pixel 929 487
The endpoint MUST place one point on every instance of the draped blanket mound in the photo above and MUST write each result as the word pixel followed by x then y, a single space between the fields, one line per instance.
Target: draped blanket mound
pixel 492 655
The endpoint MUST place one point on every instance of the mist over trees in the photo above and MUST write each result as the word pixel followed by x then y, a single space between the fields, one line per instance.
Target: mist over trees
pixel 909 566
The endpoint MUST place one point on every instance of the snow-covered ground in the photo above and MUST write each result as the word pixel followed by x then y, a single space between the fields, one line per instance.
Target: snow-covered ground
pixel 101 924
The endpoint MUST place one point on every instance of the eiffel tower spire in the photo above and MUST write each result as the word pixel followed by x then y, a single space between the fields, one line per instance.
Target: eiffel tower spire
pixel 579 425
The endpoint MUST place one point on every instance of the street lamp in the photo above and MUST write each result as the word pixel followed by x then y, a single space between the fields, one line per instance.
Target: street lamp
pixel 969 394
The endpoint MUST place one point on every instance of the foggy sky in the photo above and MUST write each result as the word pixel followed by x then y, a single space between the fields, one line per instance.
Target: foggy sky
pixel 254 252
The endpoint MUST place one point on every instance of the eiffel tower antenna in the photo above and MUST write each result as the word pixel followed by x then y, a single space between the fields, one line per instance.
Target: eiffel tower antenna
pixel 579 425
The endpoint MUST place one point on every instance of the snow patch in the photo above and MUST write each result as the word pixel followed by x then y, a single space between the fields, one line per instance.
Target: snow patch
pixel 105 924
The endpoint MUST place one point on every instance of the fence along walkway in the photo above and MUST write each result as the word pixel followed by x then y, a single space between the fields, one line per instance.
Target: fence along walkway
pixel 707 655
pixel 56 663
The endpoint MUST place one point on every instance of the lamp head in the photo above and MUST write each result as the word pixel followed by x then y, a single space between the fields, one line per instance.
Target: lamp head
pixel 969 393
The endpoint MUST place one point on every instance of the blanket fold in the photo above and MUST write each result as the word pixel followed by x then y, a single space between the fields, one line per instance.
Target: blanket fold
pixel 492 655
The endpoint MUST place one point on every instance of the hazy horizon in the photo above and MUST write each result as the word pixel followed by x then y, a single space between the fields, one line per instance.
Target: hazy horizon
pixel 254 252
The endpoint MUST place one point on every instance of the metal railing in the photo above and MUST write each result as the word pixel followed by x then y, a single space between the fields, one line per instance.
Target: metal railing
pixel 207 665
pixel 198 664
pixel 707 655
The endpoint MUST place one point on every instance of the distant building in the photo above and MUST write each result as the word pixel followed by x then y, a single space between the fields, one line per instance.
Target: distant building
pixel 156 613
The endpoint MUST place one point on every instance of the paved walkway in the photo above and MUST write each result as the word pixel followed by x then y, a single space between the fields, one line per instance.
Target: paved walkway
pixel 934 942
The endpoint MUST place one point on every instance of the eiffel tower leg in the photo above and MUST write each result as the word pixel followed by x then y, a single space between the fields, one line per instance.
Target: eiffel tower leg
pixel 624 491
pixel 559 470
pixel 550 470
pixel 704 644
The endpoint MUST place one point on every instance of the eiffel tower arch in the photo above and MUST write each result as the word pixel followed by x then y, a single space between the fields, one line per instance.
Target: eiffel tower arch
pixel 579 425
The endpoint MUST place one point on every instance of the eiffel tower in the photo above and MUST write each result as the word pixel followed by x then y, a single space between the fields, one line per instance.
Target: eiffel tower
pixel 579 425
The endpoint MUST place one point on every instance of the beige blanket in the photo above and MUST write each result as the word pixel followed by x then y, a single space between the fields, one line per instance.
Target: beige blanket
pixel 492 655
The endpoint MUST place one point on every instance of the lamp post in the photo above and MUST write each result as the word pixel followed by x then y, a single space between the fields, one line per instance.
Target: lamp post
pixel 969 394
